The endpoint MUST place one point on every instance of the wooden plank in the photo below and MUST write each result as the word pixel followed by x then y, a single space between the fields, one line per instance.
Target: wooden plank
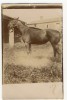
pixel 11 38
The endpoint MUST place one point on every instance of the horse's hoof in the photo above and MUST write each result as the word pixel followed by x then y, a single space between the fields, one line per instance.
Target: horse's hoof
pixel 28 52
pixel 54 59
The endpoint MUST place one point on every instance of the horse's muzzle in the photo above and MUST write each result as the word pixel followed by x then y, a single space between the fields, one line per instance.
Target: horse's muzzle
pixel 11 30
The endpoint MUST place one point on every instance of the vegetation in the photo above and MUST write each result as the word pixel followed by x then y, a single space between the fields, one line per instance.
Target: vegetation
pixel 39 66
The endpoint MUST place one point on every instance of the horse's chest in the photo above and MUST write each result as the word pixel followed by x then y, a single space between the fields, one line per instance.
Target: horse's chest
pixel 26 38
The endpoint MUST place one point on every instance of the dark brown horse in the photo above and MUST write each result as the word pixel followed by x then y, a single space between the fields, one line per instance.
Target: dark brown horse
pixel 31 35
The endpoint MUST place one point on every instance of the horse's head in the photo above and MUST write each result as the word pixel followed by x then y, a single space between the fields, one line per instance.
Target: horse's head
pixel 13 23
pixel 16 23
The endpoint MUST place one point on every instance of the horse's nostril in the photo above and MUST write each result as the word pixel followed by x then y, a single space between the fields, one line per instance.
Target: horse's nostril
pixel 11 30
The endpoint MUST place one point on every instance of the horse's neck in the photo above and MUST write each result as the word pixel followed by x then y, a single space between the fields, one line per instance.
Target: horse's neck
pixel 22 28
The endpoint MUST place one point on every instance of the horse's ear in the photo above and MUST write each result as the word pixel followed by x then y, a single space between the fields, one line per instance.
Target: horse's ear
pixel 17 18
pixel 25 23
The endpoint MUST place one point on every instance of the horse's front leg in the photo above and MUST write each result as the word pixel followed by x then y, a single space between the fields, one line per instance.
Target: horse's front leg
pixel 54 50
pixel 21 40
pixel 28 47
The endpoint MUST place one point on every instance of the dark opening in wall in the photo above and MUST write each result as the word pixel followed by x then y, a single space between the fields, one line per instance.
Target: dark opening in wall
pixel 47 26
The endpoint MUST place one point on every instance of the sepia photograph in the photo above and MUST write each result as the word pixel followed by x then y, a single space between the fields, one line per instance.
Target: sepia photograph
pixel 32 44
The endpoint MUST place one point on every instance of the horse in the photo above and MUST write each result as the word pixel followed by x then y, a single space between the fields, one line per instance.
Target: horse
pixel 32 35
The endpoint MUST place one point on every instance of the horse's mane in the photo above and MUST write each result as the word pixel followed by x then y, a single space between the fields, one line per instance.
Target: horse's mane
pixel 22 22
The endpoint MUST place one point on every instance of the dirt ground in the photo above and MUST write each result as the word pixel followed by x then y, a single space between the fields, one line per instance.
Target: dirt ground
pixel 38 66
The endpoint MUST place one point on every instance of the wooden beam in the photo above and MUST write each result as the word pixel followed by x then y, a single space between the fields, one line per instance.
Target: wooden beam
pixel 11 38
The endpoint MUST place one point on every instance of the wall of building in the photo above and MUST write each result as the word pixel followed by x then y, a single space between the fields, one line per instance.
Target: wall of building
pixel 50 25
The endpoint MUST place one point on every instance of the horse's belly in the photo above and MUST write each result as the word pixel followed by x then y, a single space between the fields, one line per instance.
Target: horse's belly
pixel 39 40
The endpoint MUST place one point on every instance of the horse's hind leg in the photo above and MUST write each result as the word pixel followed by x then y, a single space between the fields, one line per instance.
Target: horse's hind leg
pixel 29 47
pixel 56 50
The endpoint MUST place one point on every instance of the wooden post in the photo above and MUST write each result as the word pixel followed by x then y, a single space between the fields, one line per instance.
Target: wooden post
pixel 11 38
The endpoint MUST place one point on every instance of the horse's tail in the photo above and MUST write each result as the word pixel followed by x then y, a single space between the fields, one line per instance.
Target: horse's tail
pixel 58 37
